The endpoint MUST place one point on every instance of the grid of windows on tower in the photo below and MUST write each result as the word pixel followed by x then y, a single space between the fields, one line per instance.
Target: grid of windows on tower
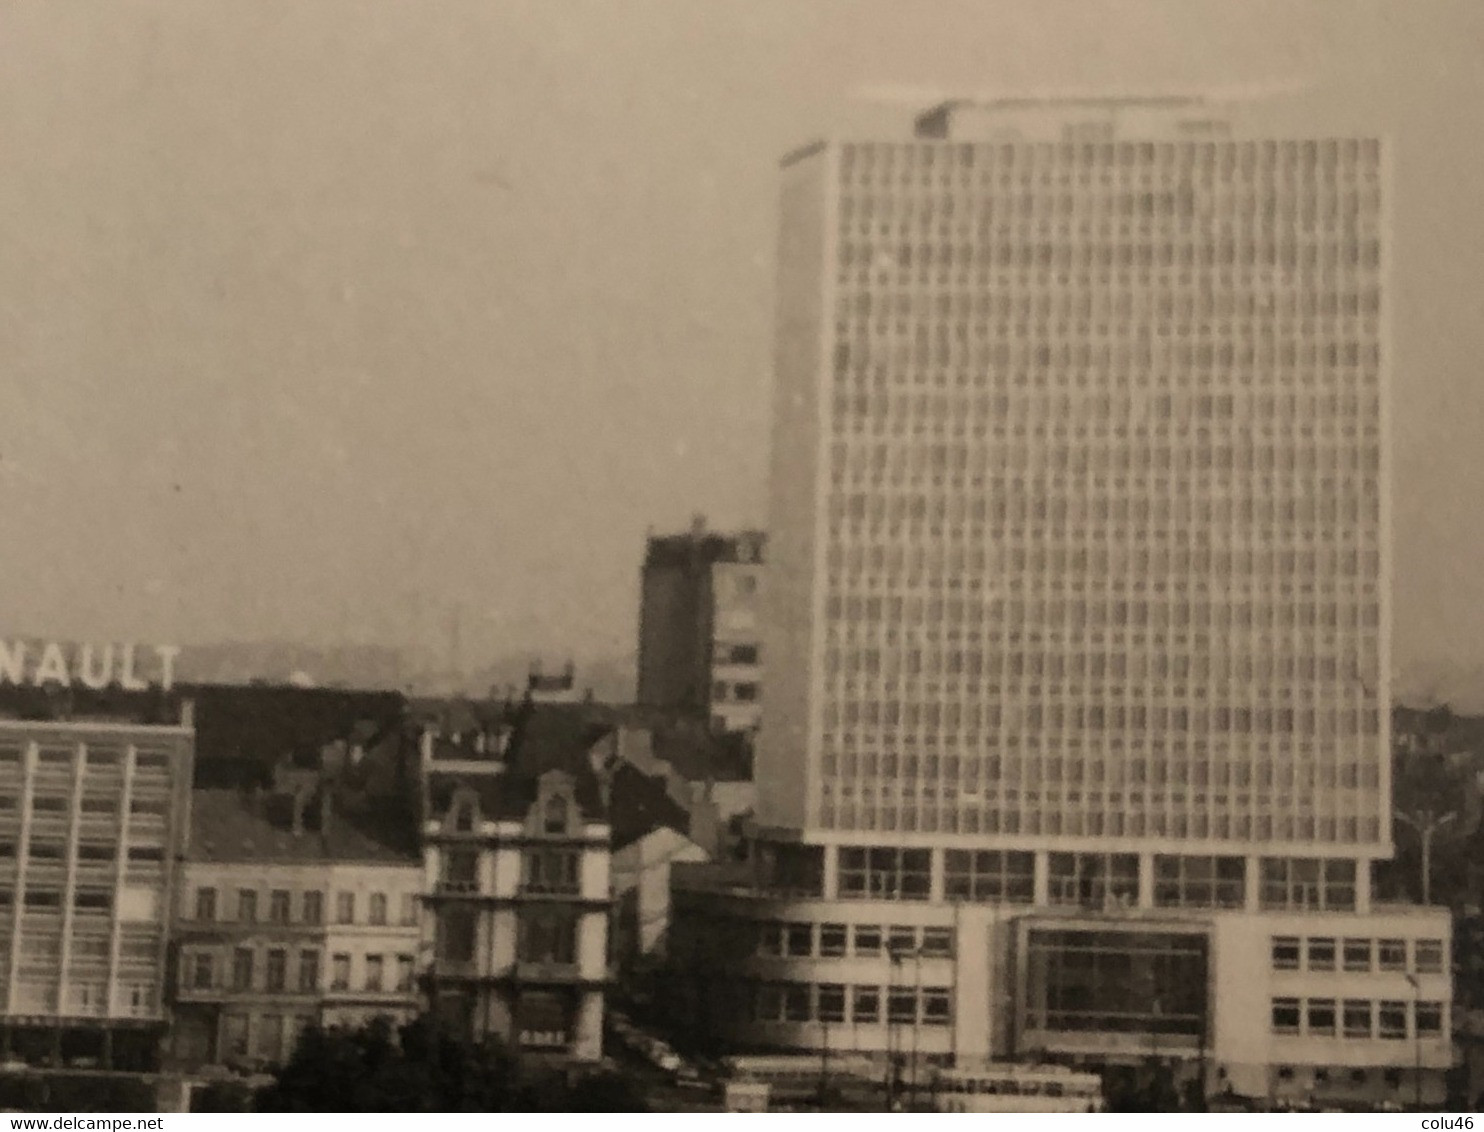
pixel 1104 524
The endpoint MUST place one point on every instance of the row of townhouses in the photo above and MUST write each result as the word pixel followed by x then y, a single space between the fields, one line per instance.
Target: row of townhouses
pixel 494 864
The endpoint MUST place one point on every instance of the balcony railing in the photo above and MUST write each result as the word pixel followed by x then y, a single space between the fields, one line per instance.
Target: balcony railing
pixel 553 1040
pixel 542 970
pixel 550 888
pixel 452 887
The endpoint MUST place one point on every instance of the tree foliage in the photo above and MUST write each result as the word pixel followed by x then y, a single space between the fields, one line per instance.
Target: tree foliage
pixel 418 1068
pixel 223 1096
pixel 1426 787
pixel 1428 784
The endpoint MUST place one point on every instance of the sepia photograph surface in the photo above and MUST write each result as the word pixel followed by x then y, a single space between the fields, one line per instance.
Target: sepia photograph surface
pixel 828 556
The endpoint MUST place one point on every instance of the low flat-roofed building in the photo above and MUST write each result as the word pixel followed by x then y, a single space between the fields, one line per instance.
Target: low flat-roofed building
pixel 650 836
pixel 1284 1005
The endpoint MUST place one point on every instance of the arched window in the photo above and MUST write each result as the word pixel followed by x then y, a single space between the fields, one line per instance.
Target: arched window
pixel 555 820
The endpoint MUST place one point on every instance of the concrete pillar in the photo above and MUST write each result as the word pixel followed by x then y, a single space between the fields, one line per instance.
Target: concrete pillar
pixel 69 885
pixel 498 1018
pixel 121 856
pixel 831 872
pixel 587 1035
pixel 976 983
pixel 936 876
pixel 9 985
pixel 1041 881
pixel 1253 883
pixel 1146 880
pixel 1363 886
pixel 502 926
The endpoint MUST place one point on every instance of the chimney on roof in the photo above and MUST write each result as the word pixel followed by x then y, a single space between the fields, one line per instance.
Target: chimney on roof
pixel 935 122
pixel 697 524
pixel 298 799
pixel 602 769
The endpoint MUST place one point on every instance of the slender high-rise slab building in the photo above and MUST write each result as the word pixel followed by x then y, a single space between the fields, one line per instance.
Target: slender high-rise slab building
pixel 1080 491
pixel 1079 587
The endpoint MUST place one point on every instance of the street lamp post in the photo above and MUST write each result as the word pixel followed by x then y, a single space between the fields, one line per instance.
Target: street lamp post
pixel 824 1062
pixel 891 1029
pixel 1416 1041
pixel 1204 1024
pixel 897 954
pixel 1426 823
pixel 916 1021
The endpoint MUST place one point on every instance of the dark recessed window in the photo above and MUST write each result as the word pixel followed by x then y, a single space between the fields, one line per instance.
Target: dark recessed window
pixel 556 815
pixel 463 818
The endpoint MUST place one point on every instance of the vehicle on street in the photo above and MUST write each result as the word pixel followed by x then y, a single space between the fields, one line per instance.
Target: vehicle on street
pixel 1005 1087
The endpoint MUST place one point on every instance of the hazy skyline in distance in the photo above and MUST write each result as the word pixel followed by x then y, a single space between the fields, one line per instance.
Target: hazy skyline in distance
pixel 319 320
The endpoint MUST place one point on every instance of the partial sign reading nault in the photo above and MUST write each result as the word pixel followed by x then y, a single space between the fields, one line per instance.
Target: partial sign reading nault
pixel 130 667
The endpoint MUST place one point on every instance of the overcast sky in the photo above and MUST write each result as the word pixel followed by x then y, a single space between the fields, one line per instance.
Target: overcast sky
pixel 321 317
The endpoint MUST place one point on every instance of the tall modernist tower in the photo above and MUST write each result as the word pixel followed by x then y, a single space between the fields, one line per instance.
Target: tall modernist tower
pixel 1077 615
pixel 1079 500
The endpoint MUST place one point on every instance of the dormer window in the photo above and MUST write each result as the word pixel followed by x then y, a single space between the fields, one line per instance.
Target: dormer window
pixel 555 818
pixel 463 817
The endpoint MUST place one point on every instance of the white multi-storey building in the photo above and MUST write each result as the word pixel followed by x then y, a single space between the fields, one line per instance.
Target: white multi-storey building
pixel 1078 610
pixel 516 856
pixel 291 916
pixel 94 810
